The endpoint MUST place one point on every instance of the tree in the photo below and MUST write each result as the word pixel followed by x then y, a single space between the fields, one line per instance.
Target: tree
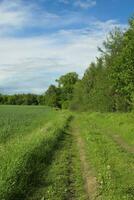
pixel 52 96
pixel 66 85
pixel 118 54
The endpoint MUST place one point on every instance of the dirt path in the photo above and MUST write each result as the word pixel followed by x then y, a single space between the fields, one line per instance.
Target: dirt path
pixel 89 179
pixel 69 175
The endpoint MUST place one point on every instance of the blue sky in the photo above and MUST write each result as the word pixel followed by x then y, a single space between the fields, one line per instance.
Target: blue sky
pixel 43 39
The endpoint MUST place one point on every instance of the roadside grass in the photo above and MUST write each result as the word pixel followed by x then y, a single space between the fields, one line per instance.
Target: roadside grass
pixel 20 155
pixel 112 165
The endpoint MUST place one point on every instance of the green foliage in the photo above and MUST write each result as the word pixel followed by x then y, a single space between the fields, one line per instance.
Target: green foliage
pixel 22 99
pixel 108 84
pixel 52 96
pixel 61 95
pixel 93 91
pixel 66 85
pixel 77 102
pixel 132 100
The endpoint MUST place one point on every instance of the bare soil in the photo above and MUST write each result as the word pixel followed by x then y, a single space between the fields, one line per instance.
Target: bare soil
pixel 88 176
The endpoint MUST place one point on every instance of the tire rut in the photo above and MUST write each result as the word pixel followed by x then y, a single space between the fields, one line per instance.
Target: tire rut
pixel 123 144
pixel 90 182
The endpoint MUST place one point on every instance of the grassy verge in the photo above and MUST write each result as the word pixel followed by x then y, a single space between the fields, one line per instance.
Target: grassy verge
pixel 112 165
pixel 20 157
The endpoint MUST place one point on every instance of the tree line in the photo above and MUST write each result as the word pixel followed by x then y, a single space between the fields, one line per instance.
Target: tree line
pixel 22 99
pixel 107 85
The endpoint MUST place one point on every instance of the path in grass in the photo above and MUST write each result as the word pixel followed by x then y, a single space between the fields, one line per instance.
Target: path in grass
pixel 85 152
pixel 90 181
pixel 62 178
pixel 68 175
pixel 85 164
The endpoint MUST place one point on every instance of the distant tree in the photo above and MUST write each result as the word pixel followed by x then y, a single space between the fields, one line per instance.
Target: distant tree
pixel 30 99
pixel 41 99
pixel 78 100
pixel 66 85
pixel 52 96
pixel 11 99
pixel 19 99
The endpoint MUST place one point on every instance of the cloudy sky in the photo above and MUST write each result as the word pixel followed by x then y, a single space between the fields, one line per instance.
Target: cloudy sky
pixel 43 39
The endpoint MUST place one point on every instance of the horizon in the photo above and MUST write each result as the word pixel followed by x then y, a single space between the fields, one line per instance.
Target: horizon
pixel 42 40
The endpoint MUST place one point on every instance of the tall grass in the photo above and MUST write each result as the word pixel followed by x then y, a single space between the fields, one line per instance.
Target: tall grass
pixel 21 154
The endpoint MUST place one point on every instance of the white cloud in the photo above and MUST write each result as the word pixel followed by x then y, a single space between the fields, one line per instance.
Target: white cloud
pixel 16 16
pixel 12 15
pixel 85 4
pixel 31 64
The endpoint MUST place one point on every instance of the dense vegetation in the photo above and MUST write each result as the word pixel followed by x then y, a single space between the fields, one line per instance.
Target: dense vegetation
pixel 107 85
pixel 22 99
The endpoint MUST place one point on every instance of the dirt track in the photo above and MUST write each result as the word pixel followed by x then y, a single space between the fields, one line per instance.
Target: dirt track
pixel 90 182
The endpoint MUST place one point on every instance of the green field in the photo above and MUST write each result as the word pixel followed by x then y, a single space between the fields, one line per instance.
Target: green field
pixel 47 154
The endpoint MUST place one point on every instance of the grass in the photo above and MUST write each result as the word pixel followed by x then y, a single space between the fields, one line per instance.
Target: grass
pixel 112 165
pixel 16 121
pixel 21 153
pixel 40 155
pixel 62 180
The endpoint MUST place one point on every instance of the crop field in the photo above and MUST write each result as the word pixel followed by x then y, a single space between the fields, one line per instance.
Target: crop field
pixel 48 154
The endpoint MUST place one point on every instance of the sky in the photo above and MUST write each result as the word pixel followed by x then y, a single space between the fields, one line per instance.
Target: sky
pixel 41 40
